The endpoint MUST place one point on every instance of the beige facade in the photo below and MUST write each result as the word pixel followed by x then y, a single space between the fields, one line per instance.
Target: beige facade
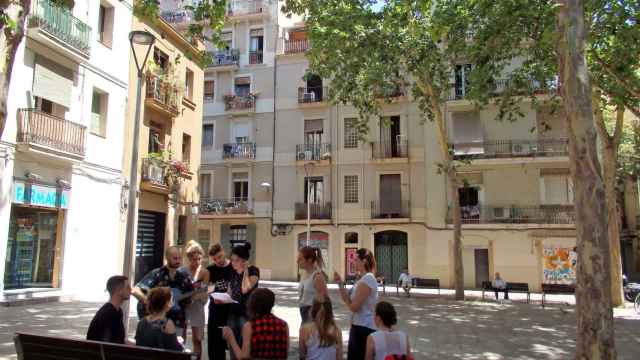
pixel 170 138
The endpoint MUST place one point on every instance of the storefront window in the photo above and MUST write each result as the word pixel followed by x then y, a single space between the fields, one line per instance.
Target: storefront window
pixel 31 248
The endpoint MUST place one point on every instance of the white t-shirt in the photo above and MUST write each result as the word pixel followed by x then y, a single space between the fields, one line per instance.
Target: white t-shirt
pixel 405 279
pixel 364 317
pixel 499 284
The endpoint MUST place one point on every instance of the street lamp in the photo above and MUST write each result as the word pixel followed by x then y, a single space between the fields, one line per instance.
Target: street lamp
pixel 308 168
pixel 140 41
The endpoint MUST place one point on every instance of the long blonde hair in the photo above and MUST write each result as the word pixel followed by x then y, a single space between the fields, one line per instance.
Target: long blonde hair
pixel 322 314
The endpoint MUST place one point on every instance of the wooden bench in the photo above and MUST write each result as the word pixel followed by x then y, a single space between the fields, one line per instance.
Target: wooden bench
pixel 421 283
pixel 38 347
pixel 556 289
pixel 512 287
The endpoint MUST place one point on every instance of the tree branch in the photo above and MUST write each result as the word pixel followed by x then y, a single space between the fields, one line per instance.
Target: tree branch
pixel 625 84
pixel 617 132
pixel 599 118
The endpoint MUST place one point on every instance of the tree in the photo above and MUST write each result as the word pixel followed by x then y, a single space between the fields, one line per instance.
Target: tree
pixel 368 54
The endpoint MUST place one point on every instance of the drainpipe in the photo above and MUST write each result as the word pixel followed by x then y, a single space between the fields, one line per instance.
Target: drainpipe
pixel 273 146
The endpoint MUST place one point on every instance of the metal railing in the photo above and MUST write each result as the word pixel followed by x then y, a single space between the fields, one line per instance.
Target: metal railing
pixel 459 91
pixel 239 151
pixel 318 211
pixel 163 92
pixel 312 94
pixel 296 46
pixel 40 128
pixel 232 206
pixel 59 22
pixel 224 57
pixel 177 16
pixel 491 149
pixel 390 209
pixel 255 57
pixel 235 102
pixel 313 152
pixel 245 7
pixel 389 149
pixel 541 214
pixel 154 171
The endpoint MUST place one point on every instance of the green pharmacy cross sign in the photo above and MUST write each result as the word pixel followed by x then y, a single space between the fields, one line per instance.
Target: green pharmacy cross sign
pixel 40 195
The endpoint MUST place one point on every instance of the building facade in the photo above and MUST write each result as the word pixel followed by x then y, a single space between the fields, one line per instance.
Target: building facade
pixel 62 151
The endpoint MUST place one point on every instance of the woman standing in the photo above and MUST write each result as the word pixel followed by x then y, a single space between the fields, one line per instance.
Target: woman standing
pixel 155 330
pixel 361 303
pixel 387 341
pixel 244 280
pixel 321 338
pixel 195 310
pixel 220 272
pixel 313 283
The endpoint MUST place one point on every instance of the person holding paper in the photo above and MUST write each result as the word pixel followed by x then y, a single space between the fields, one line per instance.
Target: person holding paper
pixel 220 272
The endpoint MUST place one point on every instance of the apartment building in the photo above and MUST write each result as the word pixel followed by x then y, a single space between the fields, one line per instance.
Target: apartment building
pixel 169 143
pixel 62 151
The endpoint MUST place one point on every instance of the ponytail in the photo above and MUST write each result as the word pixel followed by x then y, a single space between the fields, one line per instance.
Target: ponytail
pixel 314 254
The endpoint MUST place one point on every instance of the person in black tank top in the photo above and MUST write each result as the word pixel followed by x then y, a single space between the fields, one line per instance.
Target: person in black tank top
pixel 220 272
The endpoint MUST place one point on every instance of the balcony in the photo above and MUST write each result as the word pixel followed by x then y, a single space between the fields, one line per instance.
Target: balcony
pixel 318 211
pixel 460 91
pixel 58 23
pixel 224 58
pixel 239 151
pixel 240 104
pixel 256 57
pixel 312 95
pixel 177 17
pixel 500 149
pixel 389 149
pixel 296 46
pixel 541 214
pixel 313 152
pixel 245 8
pixel 225 207
pixel 390 209
pixel 46 132
pixel 162 95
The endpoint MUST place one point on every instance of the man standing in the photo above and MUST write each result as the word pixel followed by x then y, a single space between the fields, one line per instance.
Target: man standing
pixel 167 276
pixel 500 285
pixel 107 325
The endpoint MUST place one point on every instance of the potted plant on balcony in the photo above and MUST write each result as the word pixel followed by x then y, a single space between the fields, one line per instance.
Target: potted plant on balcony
pixel 176 171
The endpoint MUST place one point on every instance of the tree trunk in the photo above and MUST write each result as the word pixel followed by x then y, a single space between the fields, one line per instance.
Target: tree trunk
pixel 10 38
pixel 595 339
pixel 630 214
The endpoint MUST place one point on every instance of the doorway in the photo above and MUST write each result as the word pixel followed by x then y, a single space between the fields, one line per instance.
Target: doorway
pixel 481 257
pixel 150 242
pixel 390 195
pixel 391 254
pixel 390 137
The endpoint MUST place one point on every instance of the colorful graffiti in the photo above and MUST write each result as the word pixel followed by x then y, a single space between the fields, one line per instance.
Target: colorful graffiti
pixel 559 265
pixel 350 261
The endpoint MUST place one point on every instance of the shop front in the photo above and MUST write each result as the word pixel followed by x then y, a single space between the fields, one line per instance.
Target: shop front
pixel 34 246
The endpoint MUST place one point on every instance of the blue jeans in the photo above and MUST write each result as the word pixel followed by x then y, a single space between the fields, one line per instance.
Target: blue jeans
pixel 236 323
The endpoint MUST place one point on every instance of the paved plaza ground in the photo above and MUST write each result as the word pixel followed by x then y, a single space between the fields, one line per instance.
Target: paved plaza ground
pixel 439 327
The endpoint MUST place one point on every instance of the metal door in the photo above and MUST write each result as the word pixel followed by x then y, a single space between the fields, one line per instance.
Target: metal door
pixel 150 242
pixel 482 266
pixel 391 254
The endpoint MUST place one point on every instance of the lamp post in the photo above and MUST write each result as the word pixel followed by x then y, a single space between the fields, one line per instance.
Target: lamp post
pixel 142 40
pixel 308 167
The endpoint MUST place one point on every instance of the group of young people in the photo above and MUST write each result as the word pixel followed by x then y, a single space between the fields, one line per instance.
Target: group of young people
pixel 173 297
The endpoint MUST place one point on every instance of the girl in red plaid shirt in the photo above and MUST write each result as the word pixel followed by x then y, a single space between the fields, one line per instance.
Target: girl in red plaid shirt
pixel 264 336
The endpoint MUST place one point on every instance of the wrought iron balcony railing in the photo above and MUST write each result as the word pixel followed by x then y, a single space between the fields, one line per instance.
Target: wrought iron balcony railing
pixel 389 149
pixel 492 149
pixel 164 93
pixel 58 21
pixel 236 102
pixel 296 46
pixel 239 151
pixel 40 128
pixel 313 152
pixel 541 214
pixel 312 94
pixel 390 209
pixel 224 57
pixel 154 171
pixel 318 211
pixel 245 7
pixel 232 206
pixel 256 57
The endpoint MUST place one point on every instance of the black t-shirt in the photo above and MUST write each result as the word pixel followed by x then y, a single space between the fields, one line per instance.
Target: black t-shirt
pixel 107 325
pixel 236 290
pixel 161 277
pixel 219 276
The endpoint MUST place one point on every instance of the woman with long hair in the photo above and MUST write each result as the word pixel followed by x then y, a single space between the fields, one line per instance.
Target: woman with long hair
pixel 361 302
pixel 195 310
pixel 387 342
pixel 155 330
pixel 321 338
pixel 313 283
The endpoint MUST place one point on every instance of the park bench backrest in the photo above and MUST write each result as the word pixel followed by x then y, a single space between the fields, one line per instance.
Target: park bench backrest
pixel 518 286
pixel 558 288
pixel 36 347
pixel 486 285
pixel 428 283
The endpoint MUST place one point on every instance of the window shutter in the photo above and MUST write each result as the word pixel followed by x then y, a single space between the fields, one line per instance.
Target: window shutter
pixel 251 238
pixel 225 241
pixel 256 32
pixel 314 125
pixel 226 36
pixel 243 80
pixel 466 127
pixel 53 82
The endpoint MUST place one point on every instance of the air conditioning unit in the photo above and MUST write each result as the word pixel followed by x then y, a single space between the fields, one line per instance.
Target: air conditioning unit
pixel 521 149
pixel 309 96
pixel 501 213
pixel 326 156
pixel 301 155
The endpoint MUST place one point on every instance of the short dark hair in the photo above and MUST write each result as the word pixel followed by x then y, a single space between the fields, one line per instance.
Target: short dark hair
pixel 158 299
pixel 242 251
pixel 260 303
pixel 387 313
pixel 116 283
pixel 214 249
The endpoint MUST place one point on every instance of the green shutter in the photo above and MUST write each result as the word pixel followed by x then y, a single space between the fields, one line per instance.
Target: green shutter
pixel 251 238
pixel 224 239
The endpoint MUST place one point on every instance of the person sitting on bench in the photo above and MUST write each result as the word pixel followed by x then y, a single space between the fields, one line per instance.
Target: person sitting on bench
pixel 156 330
pixel 498 285
pixel 405 281
pixel 107 325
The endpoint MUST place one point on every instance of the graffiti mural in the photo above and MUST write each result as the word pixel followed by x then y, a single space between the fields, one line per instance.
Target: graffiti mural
pixel 559 265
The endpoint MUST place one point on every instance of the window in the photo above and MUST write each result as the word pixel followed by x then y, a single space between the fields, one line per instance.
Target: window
pixel 207 136
pixel 204 236
pixel 351 189
pixel 314 190
pixel 105 24
pixel 351 238
pixel 155 138
pixel 99 102
pixel 160 58
pixel 557 190
pixel 188 85
pixel 186 148
pixel 242 86
pixel 205 186
pixel 462 73
pixel 238 234
pixel 227 39
pixel 256 44
pixel 350 133
pixel 182 230
pixel 240 186
pixel 313 132
pixel 209 88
